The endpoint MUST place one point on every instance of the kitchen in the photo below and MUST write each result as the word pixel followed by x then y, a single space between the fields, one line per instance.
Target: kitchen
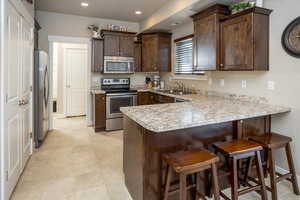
pixel 194 75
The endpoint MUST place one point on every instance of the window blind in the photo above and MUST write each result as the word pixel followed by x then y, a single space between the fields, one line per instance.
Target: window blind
pixel 184 57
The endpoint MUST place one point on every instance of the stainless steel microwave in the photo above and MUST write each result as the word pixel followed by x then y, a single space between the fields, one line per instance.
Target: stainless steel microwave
pixel 118 65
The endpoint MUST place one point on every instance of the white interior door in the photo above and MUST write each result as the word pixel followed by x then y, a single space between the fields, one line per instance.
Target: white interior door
pixel 12 107
pixel 76 80
pixel 27 67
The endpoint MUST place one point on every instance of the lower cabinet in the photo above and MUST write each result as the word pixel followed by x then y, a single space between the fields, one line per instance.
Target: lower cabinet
pixel 148 98
pixel 100 112
pixel 143 98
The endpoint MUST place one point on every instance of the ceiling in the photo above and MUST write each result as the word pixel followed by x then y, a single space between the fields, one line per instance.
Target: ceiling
pixel 110 9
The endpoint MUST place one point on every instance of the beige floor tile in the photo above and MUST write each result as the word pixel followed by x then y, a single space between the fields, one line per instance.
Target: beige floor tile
pixel 77 164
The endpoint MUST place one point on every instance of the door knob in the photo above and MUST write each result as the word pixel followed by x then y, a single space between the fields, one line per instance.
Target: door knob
pixel 21 102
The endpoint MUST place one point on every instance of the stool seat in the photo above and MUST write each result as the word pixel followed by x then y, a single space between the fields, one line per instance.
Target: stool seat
pixel 241 146
pixel 189 160
pixel 271 140
pixel 234 151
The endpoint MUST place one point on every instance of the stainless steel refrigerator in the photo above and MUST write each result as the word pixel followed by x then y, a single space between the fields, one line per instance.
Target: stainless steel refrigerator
pixel 41 97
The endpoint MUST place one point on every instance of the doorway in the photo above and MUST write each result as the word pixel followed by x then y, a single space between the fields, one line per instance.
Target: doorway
pixel 70 68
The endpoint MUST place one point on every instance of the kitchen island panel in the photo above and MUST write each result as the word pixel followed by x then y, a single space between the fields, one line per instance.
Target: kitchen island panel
pixel 143 149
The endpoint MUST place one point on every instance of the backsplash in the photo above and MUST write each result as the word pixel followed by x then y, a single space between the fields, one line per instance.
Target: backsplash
pixel 136 79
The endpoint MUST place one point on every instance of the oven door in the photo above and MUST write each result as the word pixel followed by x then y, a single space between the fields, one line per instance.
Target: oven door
pixel 115 101
pixel 118 65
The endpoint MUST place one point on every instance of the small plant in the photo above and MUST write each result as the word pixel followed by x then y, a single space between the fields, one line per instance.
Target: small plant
pixel 241 6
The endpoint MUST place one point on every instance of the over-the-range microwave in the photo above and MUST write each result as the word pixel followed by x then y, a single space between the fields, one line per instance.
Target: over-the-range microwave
pixel 118 65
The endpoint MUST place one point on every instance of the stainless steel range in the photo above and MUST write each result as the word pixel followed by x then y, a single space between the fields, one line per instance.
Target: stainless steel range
pixel 118 94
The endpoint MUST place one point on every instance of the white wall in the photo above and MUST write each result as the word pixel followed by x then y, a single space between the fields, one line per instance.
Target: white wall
pixel 72 26
pixel 284 71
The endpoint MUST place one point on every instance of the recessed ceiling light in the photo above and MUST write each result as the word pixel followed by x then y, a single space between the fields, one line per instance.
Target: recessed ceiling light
pixel 138 12
pixel 83 4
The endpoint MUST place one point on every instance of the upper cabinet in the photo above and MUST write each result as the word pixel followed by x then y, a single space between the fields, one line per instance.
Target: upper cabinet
pixel 97 55
pixel 117 43
pixel 137 56
pixel 231 42
pixel 156 52
pixel 206 37
pixel 245 40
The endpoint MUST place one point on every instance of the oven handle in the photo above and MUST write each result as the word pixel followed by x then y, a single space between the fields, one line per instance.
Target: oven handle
pixel 122 94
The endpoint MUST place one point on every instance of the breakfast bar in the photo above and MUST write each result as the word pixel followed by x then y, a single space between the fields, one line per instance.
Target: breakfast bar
pixel 153 130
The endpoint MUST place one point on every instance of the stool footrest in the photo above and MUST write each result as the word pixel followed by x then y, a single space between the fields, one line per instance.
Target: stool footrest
pixel 177 190
pixel 249 189
pixel 224 196
pixel 283 177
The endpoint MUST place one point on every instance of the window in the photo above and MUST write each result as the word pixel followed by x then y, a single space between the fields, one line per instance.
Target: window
pixel 184 56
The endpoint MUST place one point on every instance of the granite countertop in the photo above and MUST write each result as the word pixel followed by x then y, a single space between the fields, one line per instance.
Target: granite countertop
pixel 199 111
pixel 97 91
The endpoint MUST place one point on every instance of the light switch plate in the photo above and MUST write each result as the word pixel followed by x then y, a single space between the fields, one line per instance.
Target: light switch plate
pixel 210 81
pixel 271 85
pixel 222 82
pixel 244 84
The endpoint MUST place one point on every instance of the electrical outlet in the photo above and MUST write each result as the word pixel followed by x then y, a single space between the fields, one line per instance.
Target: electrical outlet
pixel 210 81
pixel 271 85
pixel 222 82
pixel 244 84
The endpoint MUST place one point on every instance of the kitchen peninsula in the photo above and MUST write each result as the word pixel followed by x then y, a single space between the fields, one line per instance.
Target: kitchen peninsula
pixel 152 130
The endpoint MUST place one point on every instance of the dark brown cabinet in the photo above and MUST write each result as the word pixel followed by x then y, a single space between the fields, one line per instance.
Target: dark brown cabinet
pixel 245 40
pixel 231 42
pixel 143 98
pixel 149 98
pixel 156 52
pixel 137 56
pixel 126 45
pixel 206 37
pixel 117 43
pixel 100 112
pixel 97 55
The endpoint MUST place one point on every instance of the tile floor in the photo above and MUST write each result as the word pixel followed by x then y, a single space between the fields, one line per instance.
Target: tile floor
pixel 76 164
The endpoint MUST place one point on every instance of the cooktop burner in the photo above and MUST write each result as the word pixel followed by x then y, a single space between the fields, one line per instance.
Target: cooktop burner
pixel 116 85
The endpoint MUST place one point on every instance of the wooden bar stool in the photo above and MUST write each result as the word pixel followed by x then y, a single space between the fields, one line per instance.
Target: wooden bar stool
pixel 240 149
pixel 271 142
pixel 187 163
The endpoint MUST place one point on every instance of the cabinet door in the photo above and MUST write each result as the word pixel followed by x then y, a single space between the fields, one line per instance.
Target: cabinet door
pixel 111 45
pixel 126 46
pixel 137 57
pixel 97 55
pixel 143 98
pixel 205 46
pixel 237 43
pixel 100 112
pixel 163 62
pixel 149 53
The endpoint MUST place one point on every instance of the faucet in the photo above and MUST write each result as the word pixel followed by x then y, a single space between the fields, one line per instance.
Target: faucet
pixel 180 85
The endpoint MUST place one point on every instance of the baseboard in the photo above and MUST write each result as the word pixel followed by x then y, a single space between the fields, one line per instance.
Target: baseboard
pixel 283 171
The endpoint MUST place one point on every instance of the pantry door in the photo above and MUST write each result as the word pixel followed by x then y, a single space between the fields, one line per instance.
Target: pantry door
pixel 76 63
pixel 13 104
pixel 26 90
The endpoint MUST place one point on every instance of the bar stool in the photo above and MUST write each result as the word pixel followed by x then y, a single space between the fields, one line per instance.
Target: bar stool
pixel 188 163
pixel 234 151
pixel 270 142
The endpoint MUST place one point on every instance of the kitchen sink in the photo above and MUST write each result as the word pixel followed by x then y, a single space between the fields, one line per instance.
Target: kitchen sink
pixel 176 92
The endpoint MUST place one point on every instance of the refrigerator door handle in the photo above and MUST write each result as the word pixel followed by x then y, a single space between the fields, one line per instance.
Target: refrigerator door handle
pixel 46 87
